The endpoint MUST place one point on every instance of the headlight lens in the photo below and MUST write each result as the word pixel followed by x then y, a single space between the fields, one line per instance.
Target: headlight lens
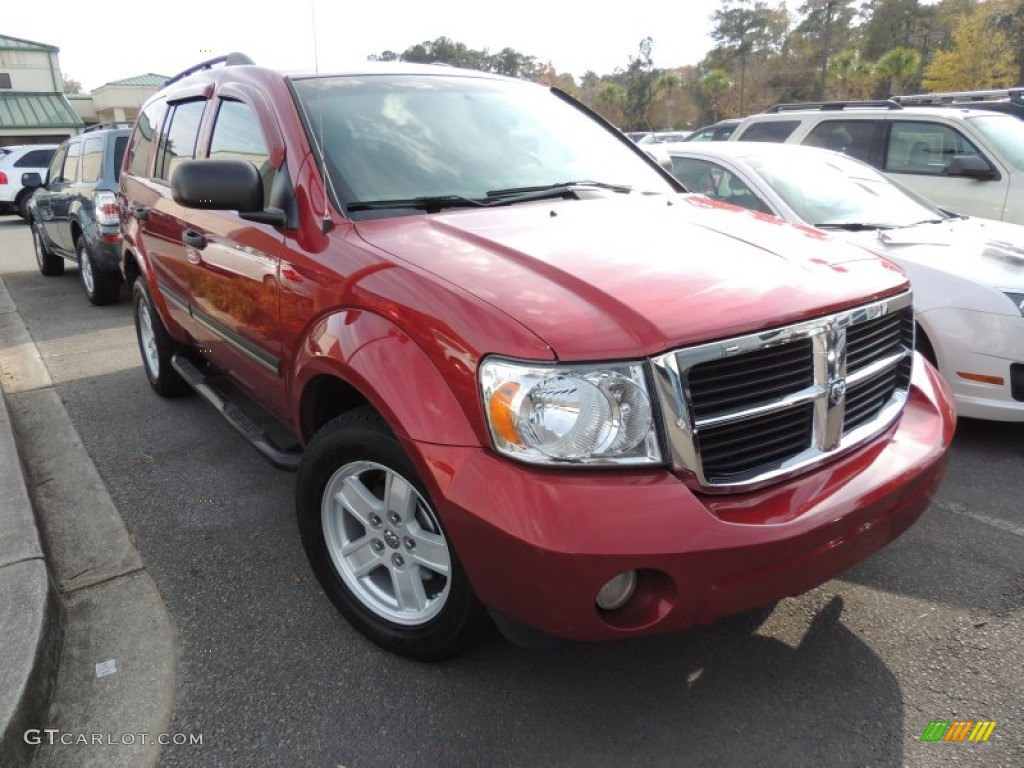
pixel 557 414
pixel 1018 300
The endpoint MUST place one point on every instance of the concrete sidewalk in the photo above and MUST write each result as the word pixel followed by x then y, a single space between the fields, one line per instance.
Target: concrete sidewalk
pixel 29 608
pixel 86 645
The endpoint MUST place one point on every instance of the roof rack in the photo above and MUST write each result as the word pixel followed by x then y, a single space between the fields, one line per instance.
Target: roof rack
pixel 828 106
pixel 230 60
pixel 109 124
pixel 1015 95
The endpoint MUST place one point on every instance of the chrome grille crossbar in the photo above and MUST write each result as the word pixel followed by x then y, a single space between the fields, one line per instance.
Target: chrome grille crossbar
pixel 793 403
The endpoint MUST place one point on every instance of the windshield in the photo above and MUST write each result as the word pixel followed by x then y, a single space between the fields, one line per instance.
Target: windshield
pixel 1006 134
pixel 838 190
pixel 402 137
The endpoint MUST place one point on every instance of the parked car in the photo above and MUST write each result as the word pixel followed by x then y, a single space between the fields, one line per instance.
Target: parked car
pixel 719 131
pixel 967 274
pixel 663 137
pixel 14 161
pixel 74 213
pixel 543 381
pixel 637 135
pixel 964 160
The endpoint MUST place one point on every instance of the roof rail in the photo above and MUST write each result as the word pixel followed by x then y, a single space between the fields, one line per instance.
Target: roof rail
pixel 232 59
pixel 828 106
pixel 109 124
pixel 1015 95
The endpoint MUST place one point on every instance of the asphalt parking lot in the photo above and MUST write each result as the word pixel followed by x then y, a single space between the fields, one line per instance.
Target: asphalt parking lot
pixel 850 674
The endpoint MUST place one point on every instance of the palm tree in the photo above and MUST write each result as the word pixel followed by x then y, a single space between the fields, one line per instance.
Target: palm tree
pixel 897 66
pixel 714 85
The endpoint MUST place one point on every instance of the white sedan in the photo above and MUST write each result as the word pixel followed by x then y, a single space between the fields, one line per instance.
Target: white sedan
pixel 967 273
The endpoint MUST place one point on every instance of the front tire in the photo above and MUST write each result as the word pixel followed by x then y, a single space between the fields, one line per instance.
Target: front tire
pixel 101 288
pixel 376 544
pixel 22 204
pixel 49 265
pixel 156 345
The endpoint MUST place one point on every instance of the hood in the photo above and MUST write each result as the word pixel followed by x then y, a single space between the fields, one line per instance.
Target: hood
pixel 982 250
pixel 629 276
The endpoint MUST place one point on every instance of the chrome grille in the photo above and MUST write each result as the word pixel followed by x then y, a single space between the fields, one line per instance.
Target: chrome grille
pixel 749 410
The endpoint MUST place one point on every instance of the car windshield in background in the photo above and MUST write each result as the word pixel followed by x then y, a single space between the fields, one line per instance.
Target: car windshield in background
pixel 408 137
pixel 1006 134
pixel 838 191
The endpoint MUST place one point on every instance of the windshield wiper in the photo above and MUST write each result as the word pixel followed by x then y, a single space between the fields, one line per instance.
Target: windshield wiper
pixel 433 204
pixel 927 221
pixel 556 190
pixel 852 226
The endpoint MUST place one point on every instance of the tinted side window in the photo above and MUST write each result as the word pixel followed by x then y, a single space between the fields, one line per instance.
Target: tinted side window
pixel 120 144
pixel 143 138
pixel 37 158
pixel 56 165
pixel 924 148
pixel 71 164
pixel 92 158
pixel 851 137
pixel 237 136
pixel 178 139
pixel 774 130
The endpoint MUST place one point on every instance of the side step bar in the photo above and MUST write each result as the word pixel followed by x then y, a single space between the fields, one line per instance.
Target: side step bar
pixel 236 417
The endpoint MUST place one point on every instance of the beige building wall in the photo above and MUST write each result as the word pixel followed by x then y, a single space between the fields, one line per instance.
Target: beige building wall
pixel 32 71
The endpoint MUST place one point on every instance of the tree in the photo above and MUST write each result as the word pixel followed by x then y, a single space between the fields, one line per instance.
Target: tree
pixel 639 81
pixel 896 66
pixel 70 84
pixel 610 103
pixel 714 85
pixel 851 76
pixel 982 55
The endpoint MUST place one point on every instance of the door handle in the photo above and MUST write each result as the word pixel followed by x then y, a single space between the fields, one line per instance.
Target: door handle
pixel 193 239
pixel 140 212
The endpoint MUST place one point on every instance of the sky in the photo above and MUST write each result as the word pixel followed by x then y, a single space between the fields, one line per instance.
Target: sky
pixel 110 41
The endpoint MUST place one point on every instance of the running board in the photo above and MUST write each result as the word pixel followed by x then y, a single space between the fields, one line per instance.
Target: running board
pixel 288 460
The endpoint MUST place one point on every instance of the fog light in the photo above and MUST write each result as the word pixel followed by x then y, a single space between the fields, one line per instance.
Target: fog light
pixel 616 593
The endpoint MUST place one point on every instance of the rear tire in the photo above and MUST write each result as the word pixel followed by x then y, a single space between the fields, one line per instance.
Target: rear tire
pixel 101 288
pixel 49 265
pixel 156 345
pixel 376 544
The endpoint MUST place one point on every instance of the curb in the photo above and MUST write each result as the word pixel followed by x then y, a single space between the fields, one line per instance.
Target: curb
pixel 97 652
pixel 30 613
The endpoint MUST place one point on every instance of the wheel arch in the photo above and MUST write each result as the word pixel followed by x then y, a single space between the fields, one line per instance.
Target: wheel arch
pixel 351 358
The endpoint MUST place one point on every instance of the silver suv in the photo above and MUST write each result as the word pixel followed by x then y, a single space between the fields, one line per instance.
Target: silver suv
pixel 964 160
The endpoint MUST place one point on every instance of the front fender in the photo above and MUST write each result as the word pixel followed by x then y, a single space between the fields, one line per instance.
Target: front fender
pixel 394 374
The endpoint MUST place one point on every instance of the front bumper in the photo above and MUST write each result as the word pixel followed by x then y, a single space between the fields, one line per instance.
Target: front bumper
pixel 538 545
pixel 969 343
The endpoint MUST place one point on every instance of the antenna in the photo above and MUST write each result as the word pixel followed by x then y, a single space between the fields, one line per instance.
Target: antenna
pixel 327 224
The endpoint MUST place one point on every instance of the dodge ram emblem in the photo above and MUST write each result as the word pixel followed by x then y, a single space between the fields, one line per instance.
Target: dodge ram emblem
pixel 837 391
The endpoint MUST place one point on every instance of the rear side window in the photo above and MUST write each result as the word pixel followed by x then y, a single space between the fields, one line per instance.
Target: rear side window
pixel 37 158
pixel 92 159
pixel 924 148
pixel 178 140
pixel 851 137
pixel 143 138
pixel 71 164
pixel 120 144
pixel 237 136
pixel 772 130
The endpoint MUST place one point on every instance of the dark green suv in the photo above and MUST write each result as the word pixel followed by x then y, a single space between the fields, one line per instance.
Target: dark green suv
pixel 73 213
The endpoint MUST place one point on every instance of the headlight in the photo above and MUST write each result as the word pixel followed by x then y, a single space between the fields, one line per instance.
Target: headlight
pixel 1018 300
pixel 578 414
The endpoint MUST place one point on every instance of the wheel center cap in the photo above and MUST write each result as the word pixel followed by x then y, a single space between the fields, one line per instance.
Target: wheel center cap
pixel 391 539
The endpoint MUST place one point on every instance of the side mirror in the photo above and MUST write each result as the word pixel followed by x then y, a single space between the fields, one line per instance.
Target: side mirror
pixel 218 185
pixel 971 167
pixel 31 180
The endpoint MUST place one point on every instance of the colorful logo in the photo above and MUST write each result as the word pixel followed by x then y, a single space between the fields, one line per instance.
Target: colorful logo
pixel 958 730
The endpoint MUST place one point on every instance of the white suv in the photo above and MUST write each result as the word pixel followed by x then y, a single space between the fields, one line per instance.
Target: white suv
pixel 967 161
pixel 14 161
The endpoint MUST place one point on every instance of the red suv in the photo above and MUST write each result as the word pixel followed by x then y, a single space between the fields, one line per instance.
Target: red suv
pixel 526 371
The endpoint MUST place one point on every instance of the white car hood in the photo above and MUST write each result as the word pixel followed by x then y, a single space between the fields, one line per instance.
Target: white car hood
pixel 980 250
